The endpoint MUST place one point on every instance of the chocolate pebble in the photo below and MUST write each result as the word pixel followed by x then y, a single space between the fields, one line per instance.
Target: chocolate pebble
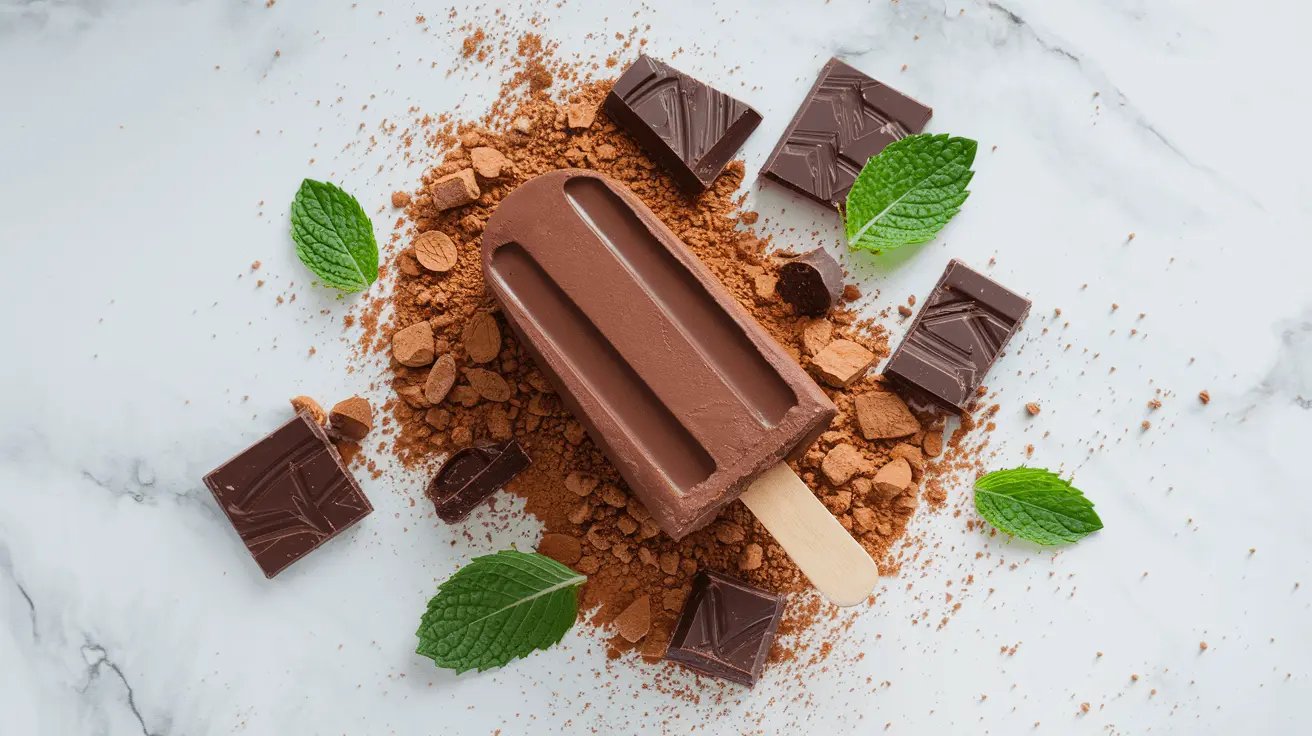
pixel 811 282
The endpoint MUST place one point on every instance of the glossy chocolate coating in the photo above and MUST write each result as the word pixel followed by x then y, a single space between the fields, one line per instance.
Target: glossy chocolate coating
pixel 683 391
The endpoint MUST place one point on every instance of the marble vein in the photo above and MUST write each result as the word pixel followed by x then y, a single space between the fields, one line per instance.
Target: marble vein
pixel 97 657
pixel 1125 104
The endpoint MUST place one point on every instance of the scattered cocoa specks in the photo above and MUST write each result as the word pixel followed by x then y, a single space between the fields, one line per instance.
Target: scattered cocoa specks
pixel 619 546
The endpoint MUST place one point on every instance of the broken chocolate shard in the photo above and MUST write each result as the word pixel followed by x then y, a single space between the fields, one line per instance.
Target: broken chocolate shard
pixel 288 494
pixel 472 475
pixel 846 118
pixel 811 282
pixel 726 628
pixel 957 336
pixel 690 129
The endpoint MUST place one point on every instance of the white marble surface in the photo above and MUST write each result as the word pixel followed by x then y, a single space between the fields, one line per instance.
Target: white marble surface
pixel 130 181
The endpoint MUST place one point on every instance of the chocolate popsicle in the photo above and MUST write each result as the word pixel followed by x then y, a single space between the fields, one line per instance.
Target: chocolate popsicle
pixel 690 399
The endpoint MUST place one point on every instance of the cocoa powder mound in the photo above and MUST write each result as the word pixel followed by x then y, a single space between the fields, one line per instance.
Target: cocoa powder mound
pixel 590 519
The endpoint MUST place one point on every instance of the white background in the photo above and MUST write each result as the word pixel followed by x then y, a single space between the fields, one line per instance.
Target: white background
pixel 130 180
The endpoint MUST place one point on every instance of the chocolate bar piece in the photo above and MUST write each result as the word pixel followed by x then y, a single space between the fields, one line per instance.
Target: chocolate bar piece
pixel 472 475
pixel 726 628
pixel 846 118
pixel 690 129
pixel 287 494
pixel 683 391
pixel 811 282
pixel 956 337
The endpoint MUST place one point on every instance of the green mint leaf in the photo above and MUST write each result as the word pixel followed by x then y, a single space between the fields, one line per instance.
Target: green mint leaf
pixel 334 237
pixel 908 192
pixel 1035 504
pixel 497 608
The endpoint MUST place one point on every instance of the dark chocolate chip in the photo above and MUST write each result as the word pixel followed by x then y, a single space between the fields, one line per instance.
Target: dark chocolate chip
pixel 471 476
pixel 811 282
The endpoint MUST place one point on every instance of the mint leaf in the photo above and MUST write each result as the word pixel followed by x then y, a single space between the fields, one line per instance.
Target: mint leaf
pixel 497 608
pixel 334 237
pixel 1035 504
pixel 908 192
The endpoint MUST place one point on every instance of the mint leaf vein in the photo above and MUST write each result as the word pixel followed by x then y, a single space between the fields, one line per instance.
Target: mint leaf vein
pixel 908 192
pixel 1035 504
pixel 334 237
pixel 498 608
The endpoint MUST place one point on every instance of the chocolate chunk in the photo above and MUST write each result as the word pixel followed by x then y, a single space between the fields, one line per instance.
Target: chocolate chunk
pixel 471 476
pixel 811 282
pixel 352 418
pixel 846 118
pixel 287 494
pixel 956 337
pixel 726 628
pixel 690 129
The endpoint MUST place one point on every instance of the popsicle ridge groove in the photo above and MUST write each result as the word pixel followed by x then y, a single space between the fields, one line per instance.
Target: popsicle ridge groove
pixel 676 453
pixel 694 313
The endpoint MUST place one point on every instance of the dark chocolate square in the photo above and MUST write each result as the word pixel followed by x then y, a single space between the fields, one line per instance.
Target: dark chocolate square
pixel 690 129
pixel 846 118
pixel 957 336
pixel 726 628
pixel 287 494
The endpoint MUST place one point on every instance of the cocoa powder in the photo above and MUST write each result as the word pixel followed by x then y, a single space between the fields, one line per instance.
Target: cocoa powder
pixel 590 520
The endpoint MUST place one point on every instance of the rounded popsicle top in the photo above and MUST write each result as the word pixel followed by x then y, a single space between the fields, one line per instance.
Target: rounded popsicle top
pixel 677 384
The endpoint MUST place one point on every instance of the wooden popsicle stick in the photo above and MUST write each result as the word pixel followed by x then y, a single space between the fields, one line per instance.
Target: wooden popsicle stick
pixel 837 566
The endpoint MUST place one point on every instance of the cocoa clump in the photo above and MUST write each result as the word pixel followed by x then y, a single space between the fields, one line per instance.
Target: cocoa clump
pixel 591 520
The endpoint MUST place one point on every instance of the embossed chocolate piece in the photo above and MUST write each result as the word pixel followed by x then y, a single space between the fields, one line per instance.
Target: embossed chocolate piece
pixel 690 129
pixel 957 336
pixel 846 118
pixel 287 494
pixel 726 628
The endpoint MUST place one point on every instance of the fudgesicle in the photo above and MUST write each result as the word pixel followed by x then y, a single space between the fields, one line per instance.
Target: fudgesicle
pixel 681 388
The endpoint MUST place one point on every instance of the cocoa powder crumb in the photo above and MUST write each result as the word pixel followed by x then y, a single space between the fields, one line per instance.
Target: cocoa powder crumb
pixel 591 521
pixel 307 405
